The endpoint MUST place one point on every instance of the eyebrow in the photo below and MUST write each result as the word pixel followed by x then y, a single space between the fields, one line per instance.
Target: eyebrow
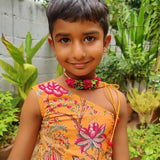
pixel 67 34
pixel 61 35
pixel 90 33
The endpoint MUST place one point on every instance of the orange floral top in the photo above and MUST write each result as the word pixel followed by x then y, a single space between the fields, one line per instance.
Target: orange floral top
pixel 73 128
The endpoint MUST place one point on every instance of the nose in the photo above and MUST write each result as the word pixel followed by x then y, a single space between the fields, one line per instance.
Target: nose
pixel 78 51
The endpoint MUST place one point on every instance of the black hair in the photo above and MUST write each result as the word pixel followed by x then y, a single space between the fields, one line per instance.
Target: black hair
pixel 73 10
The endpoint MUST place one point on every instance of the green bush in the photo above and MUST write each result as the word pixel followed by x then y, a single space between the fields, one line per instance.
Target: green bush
pixel 145 142
pixel 8 119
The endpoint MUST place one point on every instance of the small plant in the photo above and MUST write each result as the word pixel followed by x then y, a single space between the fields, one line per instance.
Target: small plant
pixel 115 68
pixel 23 74
pixel 8 118
pixel 145 142
pixel 137 64
pixel 112 69
pixel 144 103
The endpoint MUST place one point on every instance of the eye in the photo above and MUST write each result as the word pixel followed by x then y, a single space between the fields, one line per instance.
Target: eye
pixel 64 40
pixel 89 39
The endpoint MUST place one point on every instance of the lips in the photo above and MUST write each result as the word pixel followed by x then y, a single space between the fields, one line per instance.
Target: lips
pixel 80 65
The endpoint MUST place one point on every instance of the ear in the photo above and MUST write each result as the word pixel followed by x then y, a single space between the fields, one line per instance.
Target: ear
pixel 51 43
pixel 106 43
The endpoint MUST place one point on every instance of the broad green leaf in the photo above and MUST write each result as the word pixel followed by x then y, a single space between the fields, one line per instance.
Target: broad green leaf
pixel 149 151
pixel 28 42
pixel 120 26
pixel 14 52
pixel 22 93
pixel 124 41
pixel 34 50
pixel 147 24
pixel 8 69
pixel 29 69
pixel 122 38
pixel 59 70
pixel 21 48
pixel 132 27
pixel 31 81
pixel 141 15
pixel 140 27
pixel 15 101
pixel 9 79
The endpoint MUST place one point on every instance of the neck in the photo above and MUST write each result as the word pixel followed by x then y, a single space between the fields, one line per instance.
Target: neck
pixel 82 84
pixel 68 75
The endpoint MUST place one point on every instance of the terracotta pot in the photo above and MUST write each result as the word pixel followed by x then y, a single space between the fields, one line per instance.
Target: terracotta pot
pixel 4 152
pixel 156 116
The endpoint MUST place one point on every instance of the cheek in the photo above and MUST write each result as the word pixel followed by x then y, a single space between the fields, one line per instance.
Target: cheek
pixel 97 51
pixel 98 47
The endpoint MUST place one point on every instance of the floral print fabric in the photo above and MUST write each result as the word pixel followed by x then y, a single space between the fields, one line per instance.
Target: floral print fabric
pixel 72 128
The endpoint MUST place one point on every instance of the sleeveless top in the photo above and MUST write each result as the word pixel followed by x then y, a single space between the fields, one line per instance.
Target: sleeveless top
pixel 74 128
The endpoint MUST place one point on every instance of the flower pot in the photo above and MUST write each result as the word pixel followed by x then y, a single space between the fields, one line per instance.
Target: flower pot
pixel 156 116
pixel 4 152
pixel 140 85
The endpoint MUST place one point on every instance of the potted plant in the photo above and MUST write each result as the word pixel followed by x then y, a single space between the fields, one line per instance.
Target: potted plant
pixel 144 141
pixel 144 103
pixel 8 122
pixel 22 74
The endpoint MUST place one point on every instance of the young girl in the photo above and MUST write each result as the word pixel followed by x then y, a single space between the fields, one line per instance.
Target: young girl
pixel 75 116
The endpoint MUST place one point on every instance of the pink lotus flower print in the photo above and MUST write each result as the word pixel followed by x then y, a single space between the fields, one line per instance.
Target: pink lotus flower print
pixel 91 137
pixel 53 88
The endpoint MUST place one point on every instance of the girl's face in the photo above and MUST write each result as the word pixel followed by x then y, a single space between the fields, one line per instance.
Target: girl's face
pixel 79 46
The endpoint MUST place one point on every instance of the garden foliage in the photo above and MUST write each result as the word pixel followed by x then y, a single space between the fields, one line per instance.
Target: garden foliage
pixel 22 74
pixel 145 142
pixel 8 118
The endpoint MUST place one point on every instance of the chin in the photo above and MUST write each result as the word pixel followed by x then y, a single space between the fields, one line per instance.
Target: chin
pixel 81 74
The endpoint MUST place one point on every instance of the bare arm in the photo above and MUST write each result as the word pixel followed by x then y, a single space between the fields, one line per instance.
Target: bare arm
pixel 28 131
pixel 120 141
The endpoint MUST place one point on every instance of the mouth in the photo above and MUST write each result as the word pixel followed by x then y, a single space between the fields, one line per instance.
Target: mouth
pixel 80 65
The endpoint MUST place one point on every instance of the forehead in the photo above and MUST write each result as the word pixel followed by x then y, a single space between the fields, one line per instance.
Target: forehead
pixel 78 26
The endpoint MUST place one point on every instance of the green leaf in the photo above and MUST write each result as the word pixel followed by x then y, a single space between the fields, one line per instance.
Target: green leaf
pixel 31 81
pixel 8 68
pixel 21 48
pixel 14 52
pixel 9 79
pixel 140 27
pixel 28 71
pixel 147 24
pixel 15 101
pixel 59 70
pixel 149 151
pixel 34 50
pixel 22 93
pixel 122 38
pixel 28 42
pixel 132 27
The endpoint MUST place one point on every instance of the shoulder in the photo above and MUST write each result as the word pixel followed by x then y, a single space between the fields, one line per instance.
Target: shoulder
pixel 120 99
pixel 43 83
pixel 31 104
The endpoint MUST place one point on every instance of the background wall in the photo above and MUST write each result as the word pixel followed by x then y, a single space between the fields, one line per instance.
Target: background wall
pixel 17 17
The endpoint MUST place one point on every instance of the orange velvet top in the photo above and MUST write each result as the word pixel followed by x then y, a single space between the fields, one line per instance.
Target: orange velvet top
pixel 73 128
